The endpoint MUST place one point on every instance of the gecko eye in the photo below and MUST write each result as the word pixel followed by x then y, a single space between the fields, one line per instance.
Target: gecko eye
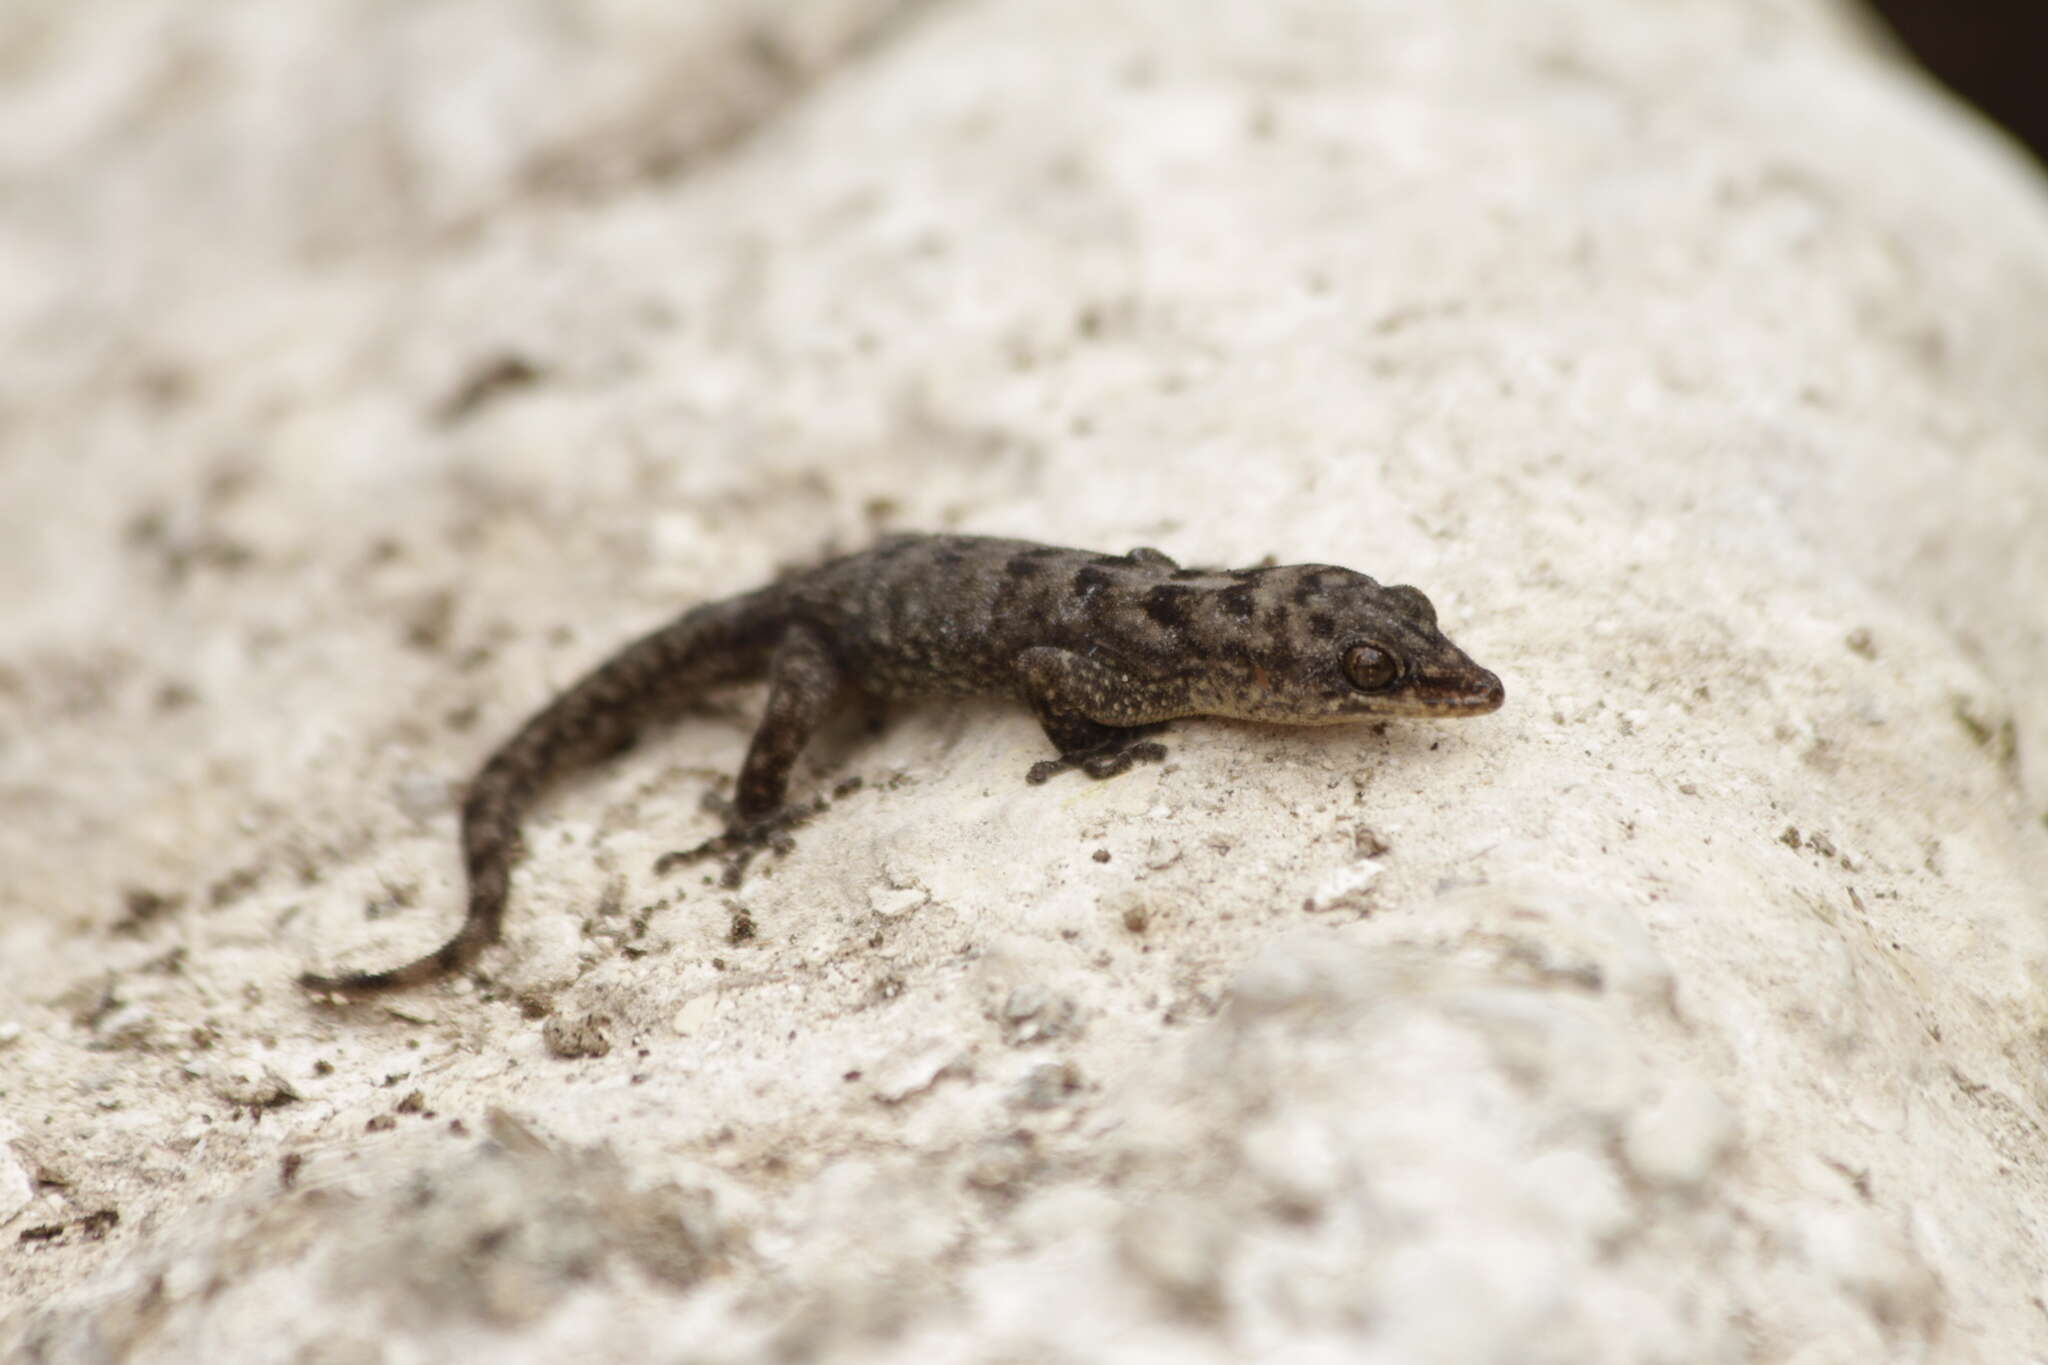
pixel 1370 668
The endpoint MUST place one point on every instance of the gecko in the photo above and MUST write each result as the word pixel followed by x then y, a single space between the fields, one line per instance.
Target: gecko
pixel 1103 649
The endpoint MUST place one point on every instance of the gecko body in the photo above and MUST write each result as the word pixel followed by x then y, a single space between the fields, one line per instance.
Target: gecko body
pixel 1101 647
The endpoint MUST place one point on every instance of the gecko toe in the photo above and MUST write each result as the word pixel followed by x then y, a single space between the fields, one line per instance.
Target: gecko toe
pixel 1121 760
pixel 1098 763
pixel 743 841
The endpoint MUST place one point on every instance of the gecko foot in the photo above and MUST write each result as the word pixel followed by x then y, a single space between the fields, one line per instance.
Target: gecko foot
pixel 1105 761
pixel 742 843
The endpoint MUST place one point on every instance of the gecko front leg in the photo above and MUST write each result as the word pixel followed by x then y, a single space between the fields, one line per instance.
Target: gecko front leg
pixel 1066 691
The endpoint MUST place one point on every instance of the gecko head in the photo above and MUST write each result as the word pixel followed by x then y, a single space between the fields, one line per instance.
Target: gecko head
pixel 1336 646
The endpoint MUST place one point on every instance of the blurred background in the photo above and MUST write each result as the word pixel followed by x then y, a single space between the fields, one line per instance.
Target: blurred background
pixel 1994 53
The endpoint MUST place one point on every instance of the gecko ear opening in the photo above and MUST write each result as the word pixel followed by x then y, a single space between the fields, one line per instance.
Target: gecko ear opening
pixel 1370 668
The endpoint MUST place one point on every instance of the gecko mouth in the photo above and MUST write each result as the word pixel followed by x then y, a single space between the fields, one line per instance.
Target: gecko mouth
pixel 1468 695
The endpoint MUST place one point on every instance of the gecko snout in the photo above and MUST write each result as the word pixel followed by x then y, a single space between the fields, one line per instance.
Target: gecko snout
pixel 1487 693
pixel 1469 691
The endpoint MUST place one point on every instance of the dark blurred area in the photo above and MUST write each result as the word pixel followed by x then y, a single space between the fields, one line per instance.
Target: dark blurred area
pixel 1994 53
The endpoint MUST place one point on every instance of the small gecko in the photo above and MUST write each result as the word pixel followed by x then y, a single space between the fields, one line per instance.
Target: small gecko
pixel 1101 647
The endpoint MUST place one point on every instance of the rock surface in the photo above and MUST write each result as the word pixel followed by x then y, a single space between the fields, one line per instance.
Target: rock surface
pixel 371 370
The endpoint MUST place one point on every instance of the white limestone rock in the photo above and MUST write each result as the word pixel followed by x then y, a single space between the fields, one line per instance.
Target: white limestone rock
pixel 369 371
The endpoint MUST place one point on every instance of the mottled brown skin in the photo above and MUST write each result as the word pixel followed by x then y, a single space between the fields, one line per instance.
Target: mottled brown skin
pixel 1101 647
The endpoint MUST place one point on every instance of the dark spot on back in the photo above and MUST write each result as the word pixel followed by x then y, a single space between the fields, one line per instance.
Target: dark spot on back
pixel 1089 581
pixel 947 558
pixel 1168 605
pixel 1022 566
pixel 1275 640
pixel 1240 601
pixel 1190 573
pixel 1322 625
pixel 1112 561
pixel 1305 592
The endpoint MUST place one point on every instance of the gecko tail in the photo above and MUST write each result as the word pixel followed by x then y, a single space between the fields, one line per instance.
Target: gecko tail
pixel 451 956
pixel 643 684
pixel 490 819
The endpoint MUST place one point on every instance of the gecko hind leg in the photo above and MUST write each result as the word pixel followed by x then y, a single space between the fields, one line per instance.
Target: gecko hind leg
pixel 804 679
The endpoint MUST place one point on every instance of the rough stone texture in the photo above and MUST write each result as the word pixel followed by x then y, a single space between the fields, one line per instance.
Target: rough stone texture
pixel 368 370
